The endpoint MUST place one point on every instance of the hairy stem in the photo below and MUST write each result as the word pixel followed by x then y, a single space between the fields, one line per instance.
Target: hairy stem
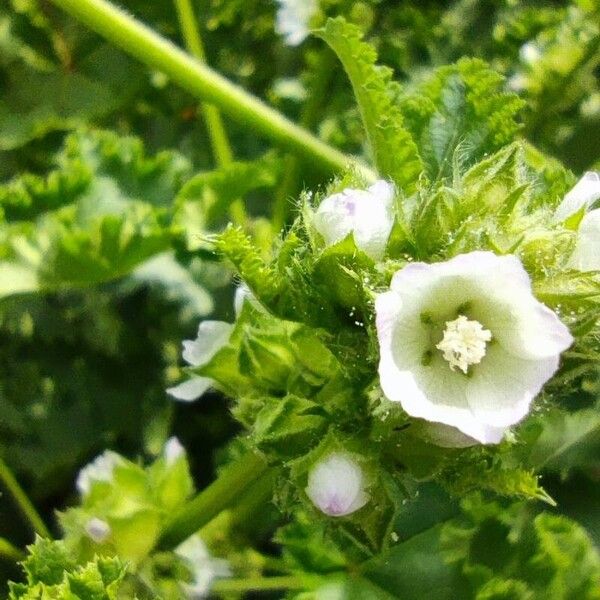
pixel 218 496
pixel 23 502
pixel 141 42
pixel 216 130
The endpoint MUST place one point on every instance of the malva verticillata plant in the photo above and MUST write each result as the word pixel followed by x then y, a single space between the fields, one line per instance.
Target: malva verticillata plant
pixel 410 345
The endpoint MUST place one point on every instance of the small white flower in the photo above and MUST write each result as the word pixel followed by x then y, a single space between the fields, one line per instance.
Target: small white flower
pixel 244 294
pixel 586 255
pixel 173 451
pixel 100 469
pixel 212 337
pixel 517 82
pixel 368 214
pixel 584 193
pixel 205 569
pixel 97 530
pixel 530 53
pixel 465 343
pixel 336 485
pixel 293 18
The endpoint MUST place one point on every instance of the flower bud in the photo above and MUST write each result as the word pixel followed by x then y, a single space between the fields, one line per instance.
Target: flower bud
pixel 336 485
pixel 367 214
pixel 97 530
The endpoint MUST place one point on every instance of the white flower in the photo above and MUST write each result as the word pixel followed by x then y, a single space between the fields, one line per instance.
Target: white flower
pixel 173 451
pixel 97 530
pixel 205 569
pixel 586 255
pixel 100 469
pixel 293 17
pixel 368 214
pixel 530 53
pixel 336 485
pixel 244 294
pixel 584 193
pixel 212 337
pixel 465 343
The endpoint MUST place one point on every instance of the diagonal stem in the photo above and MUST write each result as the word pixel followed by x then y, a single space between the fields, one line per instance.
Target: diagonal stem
pixel 23 502
pixel 221 494
pixel 10 552
pixel 146 45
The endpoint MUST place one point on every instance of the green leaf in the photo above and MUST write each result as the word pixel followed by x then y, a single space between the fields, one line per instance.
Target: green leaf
pixel 394 151
pixel 416 569
pixel 52 574
pixel 104 211
pixel 289 426
pixel 459 114
pixel 46 562
pixel 560 441
pixel 538 556
pixel 203 202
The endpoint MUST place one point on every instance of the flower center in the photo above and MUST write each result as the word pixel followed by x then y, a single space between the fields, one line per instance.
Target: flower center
pixel 464 343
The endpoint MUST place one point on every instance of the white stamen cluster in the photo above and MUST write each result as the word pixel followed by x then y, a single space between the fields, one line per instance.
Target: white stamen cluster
pixel 464 343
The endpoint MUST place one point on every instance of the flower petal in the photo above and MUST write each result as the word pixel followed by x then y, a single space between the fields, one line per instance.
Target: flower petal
pixel 502 388
pixel 212 336
pixel 586 256
pixel 585 192
pixel 374 219
pixel 334 218
pixel 368 214
pixel 495 291
pixel 191 389
pixel 522 325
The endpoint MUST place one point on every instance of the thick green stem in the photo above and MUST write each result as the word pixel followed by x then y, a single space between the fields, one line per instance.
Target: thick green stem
pixel 20 497
pixel 141 42
pixel 218 496
pixel 258 584
pixel 10 552
pixel 216 130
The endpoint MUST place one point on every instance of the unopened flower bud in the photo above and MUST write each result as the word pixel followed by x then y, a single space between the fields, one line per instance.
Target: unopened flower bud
pixel 336 485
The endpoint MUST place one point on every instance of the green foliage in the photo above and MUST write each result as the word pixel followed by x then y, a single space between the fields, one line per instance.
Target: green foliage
pixel 108 248
pixel 394 152
pixel 105 213
pixel 47 85
pixel 131 501
pixel 458 115
pixel 52 573
pixel 507 553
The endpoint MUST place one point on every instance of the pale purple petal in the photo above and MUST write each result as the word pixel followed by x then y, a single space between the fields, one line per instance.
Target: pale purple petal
pixel 336 485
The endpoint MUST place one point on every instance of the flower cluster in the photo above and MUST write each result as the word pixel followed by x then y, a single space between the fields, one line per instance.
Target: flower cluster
pixel 464 345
